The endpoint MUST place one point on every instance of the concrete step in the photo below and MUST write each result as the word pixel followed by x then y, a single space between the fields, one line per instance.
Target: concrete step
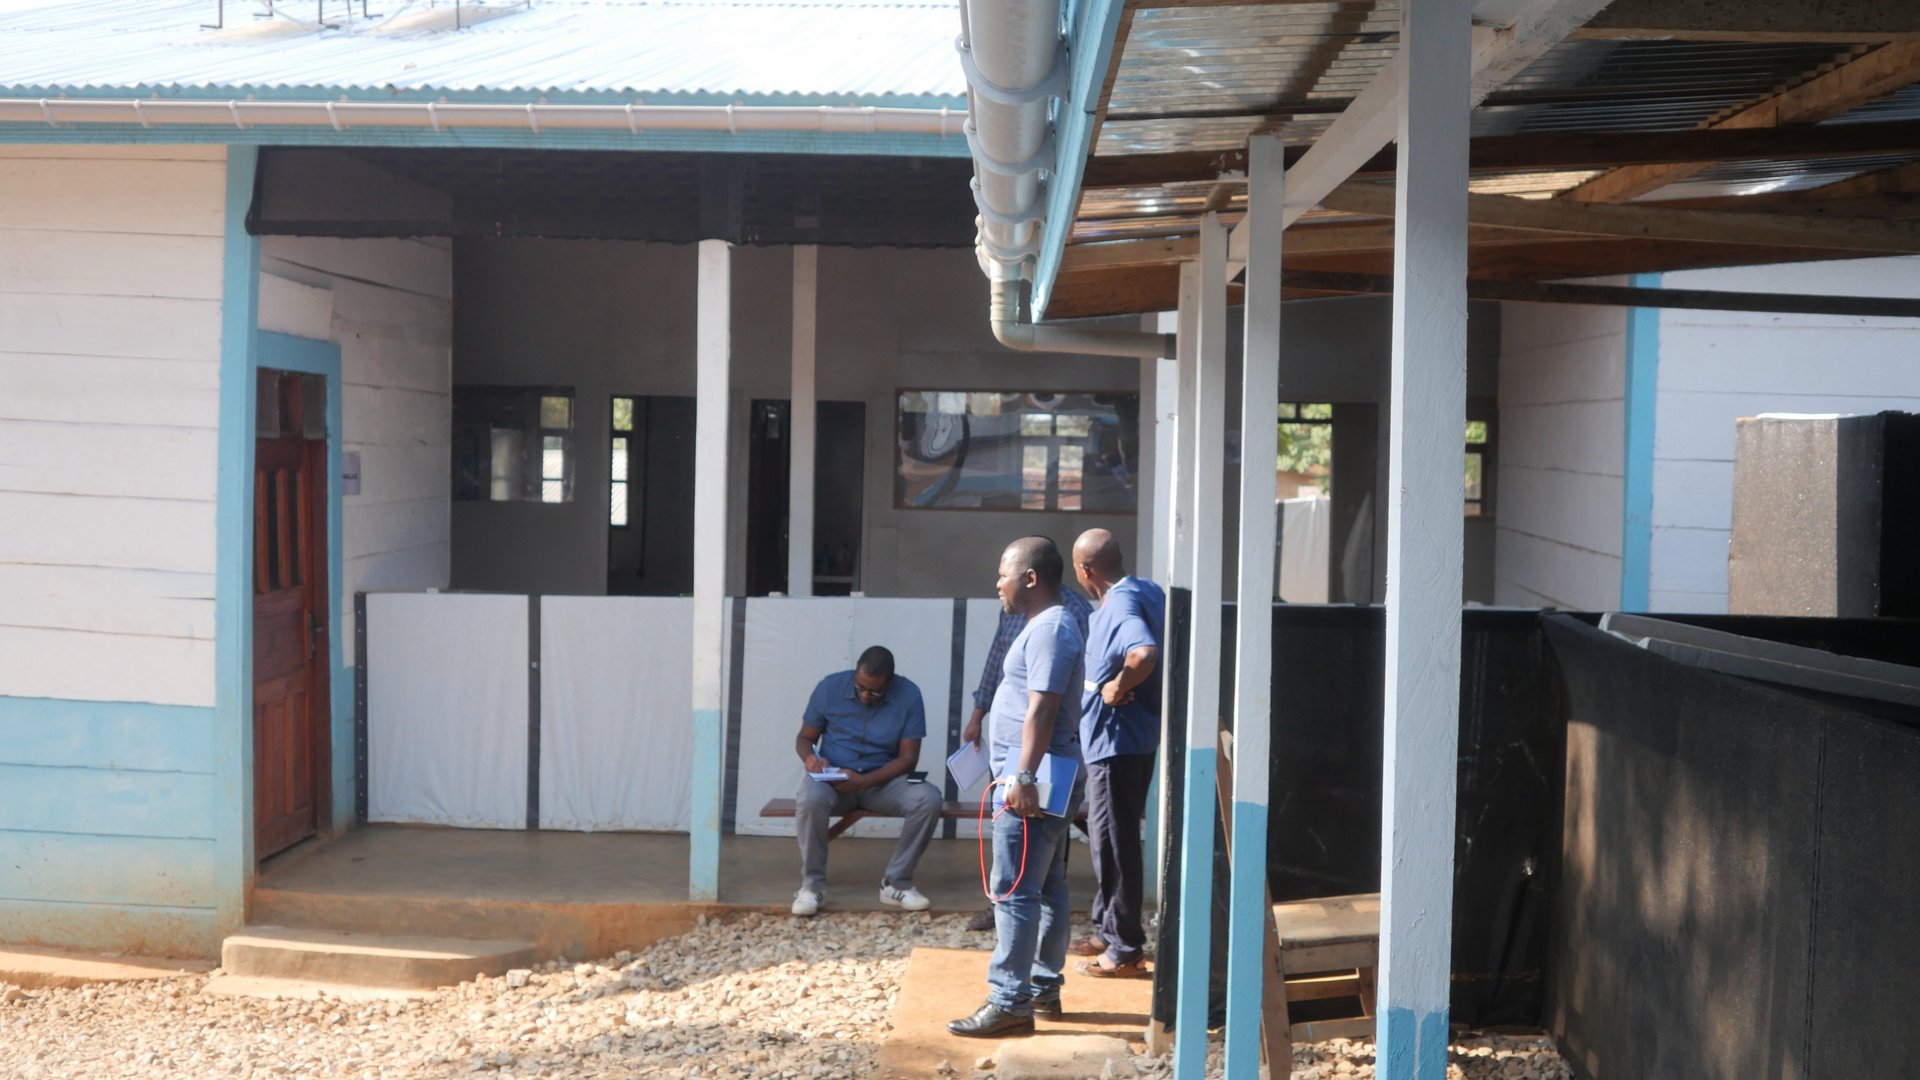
pixel 408 962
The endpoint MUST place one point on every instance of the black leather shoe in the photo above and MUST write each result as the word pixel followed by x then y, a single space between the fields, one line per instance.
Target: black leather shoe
pixel 1048 1007
pixel 990 1021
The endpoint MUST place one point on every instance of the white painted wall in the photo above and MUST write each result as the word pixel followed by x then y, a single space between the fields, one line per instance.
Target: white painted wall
pixel 388 305
pixel 613 317
pixel 110 275
pixel 1718 366
pixel 1560 458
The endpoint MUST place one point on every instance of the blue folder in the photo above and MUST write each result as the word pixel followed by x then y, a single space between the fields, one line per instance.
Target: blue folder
pixel 1054 780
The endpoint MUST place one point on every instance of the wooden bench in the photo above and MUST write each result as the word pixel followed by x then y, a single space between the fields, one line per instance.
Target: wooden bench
pixel 951 811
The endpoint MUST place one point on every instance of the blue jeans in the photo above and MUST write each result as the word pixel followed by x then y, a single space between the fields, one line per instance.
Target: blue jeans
pixel 1033 924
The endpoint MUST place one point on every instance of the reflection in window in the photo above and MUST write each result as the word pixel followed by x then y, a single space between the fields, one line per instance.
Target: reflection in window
pixel 512 444
pixel 1017 451
pixel 1474 484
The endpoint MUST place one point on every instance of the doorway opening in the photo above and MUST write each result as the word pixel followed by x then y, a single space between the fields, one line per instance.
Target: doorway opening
pixel 839 462
pixel 292 744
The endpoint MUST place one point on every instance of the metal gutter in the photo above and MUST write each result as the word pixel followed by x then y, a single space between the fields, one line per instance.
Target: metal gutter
pixel 534 117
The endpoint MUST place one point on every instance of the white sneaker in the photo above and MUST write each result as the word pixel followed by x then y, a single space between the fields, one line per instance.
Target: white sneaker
pixel 908 899
pixel 806 902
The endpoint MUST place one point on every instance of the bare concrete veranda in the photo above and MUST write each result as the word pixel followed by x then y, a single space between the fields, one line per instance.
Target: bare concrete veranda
pixel 579 895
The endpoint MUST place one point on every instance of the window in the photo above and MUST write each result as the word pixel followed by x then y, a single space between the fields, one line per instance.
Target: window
pixel 513 444
pixel 1477 484
pixel 1005 450
pixel 622 441
pixel 1305 445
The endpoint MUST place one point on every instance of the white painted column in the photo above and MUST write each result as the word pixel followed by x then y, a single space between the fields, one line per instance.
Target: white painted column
pixel 1146 465
pixel 802 414
pixel 713 352
pixel 1165 405
pixel 1177 555
pixel 1205 521
pixel 1428 407
pixel 1253 635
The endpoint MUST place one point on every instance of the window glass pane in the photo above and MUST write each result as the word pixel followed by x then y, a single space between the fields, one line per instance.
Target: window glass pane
pixel 553 460
pixel 619 462
pixel 1010 450
pixel 313 399
pixel 552 491
pixel 623 414
pixel 1474 509
pixel 617 509
pixel 556 412
pixel 1476 432
pixel 1472 484
pixel 1316 412
pixel 507 467
pixel 266 415
pixel 1033 468
pixel 1288 410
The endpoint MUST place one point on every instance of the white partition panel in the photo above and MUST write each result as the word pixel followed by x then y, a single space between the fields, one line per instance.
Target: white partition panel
pixel 615 743
pixel 790 645
pixel 447 709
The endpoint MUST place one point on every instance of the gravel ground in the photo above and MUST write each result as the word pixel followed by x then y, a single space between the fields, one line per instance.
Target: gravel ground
pixel 748 998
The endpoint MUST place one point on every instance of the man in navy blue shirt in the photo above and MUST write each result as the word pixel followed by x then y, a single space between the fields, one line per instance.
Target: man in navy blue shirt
pixel 867 723
pixel 1036 712
pixel 1119 735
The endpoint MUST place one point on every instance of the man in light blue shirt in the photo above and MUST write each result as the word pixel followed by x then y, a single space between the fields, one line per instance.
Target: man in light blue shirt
pixel 1036 712
pixel 1119 734
pixel 867 723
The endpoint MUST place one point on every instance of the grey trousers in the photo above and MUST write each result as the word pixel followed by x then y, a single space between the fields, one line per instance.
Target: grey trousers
pixel 918 805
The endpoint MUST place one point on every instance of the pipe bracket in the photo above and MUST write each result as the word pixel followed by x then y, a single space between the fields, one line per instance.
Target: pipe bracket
pixel 1051 85
pixel 1040 160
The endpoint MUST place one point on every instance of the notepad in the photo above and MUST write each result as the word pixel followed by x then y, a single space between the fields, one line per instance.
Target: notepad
pixel 968 766
pixel 1052 781
pixel 829 776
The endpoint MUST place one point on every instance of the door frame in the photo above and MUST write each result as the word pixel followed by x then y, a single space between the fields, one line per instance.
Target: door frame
pixel 234 597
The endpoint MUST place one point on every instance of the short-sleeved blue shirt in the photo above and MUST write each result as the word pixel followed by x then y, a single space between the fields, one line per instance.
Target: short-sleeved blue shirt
pixel 1049 656
pixel 1132 614
pixel 862 737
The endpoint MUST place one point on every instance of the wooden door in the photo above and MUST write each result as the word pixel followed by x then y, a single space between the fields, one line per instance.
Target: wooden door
pixel 290 703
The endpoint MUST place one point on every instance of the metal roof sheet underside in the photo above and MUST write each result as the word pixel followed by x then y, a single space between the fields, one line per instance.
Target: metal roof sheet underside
pixel 1292 68
pixel 864 50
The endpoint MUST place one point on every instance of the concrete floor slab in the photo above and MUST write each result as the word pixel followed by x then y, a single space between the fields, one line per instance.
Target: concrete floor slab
pixel 580 895
pixel 945 984
pixel 38 969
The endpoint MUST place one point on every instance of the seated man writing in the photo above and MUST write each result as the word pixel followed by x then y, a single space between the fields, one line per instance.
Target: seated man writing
pixel 867 723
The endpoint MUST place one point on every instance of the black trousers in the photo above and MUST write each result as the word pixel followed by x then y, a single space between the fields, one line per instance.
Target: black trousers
pixel 1116 801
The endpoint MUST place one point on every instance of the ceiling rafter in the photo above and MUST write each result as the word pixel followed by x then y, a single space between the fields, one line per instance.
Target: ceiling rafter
pixel 1837 90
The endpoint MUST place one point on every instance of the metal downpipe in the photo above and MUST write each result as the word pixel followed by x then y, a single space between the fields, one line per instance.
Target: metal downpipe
pixel 1026 337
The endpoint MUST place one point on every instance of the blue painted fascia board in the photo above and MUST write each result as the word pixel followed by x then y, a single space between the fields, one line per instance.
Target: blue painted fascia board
pixel 1640 400
pixel 233 545
pixel 1092 26
pixel 284 352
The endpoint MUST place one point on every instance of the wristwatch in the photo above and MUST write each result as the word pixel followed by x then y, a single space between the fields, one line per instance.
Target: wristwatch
pixel 1024 779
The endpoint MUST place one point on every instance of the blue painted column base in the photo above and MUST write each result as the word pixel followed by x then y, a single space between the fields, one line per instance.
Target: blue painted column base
pixel 1416 1045
pixel 1246 940
pixel 703 865
pixel 1196 911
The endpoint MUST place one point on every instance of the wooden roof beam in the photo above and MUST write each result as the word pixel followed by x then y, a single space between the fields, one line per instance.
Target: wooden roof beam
pixel 1813 21
pixel 1551 151
pixel 1652 221
pixel 1862 79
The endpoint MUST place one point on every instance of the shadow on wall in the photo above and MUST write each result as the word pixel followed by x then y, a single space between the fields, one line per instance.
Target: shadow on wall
pixel 1736 880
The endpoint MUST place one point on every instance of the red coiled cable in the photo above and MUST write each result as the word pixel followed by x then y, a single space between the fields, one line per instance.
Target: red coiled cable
pixel 982 829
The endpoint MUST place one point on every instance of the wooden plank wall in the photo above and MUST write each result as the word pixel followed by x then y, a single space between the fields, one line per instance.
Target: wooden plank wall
pixel 1559 461
pixel 110 282
pixel 389 306
pixel 1718 366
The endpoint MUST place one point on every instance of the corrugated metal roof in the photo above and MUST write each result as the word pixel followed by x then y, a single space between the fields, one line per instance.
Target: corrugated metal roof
pixel 839 50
